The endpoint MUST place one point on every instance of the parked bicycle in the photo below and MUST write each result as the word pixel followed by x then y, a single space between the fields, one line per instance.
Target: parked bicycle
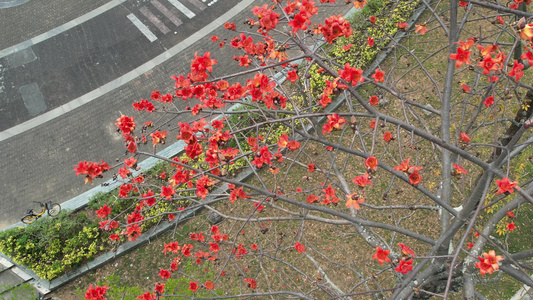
pixel 52 208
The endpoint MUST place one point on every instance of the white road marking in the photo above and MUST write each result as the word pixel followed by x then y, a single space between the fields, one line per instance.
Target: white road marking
pixel 182 8
pixel 60 29
pixel 145 30
pixel 124 79
pixel 172 17
pixel 154 20
pixel 198 4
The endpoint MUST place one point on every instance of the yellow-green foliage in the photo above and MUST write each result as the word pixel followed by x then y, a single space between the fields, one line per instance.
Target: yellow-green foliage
pixel 51 246
pixel 360 55
pixel 520 170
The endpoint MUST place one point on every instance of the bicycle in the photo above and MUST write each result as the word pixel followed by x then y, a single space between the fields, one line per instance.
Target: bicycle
pixel 52 208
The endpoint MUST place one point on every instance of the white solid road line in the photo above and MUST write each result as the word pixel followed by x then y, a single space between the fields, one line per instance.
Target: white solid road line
pixel 139 71
pixel 145 30
pixel 182 8
pixel 60 29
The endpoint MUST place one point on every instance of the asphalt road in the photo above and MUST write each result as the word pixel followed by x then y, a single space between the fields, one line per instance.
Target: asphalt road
pixel 64 67
pixel 64 84
pixel 37 162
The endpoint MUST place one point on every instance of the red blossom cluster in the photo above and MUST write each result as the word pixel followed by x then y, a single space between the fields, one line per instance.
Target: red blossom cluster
pixel 411 171
pixel 96 292
pixel 91 170
pixel 488 263
pixel 333 122
pixel 301 20
pixel 506 186
pixel 335 27
pixel 267 17
pixel 351 74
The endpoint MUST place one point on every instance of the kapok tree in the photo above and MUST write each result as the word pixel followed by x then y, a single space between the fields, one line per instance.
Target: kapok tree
pixel 403 183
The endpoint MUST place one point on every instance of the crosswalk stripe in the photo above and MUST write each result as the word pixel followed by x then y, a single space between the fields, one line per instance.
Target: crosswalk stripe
pixel 172 17
pixel 145 30
pixel 182 8
pixel 152 18
pixel 198 4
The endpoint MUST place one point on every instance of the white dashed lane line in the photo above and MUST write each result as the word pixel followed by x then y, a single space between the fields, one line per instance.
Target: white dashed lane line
pixel 182 8
pixel 142 28
pixel 154 20
pixel 198 4
pixel 172 17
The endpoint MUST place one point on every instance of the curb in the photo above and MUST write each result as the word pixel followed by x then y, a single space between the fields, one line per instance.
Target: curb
pixel 81 201
pixel 11 3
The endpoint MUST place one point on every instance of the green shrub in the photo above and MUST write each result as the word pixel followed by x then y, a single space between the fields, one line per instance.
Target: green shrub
pixel 51 246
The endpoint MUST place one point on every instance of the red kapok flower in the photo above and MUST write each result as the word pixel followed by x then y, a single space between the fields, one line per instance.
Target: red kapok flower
pixel 362 180
pixel 312 199
pixel 311 167
pixel 372 19
pixel 516 72
pixel 370 42
pixel 125 124
pixel 387 136
pixel 404 166
pixel 345 48
pixel 381 255
pixel 406 251
pixel 415 178
pixel 334 122
pixel 466 88
pixel 506 186
pixel 359 3
pixel 463 137
pixel 403 26
pixel 374 100
pixel 335 27
pixel 167 192
pixel 171 247
pixel 96 292
pixel 421 29
pixel 209 285
pixel 371 162
pixel 404 266
pixel 511 226
pixel 353 200
pixel 103 212
pixel 351 74
pixel 488 263
pixel 510 214
pixel 461 57
pixel 160 288
pixel 165 274
pixel 147 296
pixel 251 283
pixel 378 75
pixel 459 169
pixel 489 101
pixel 193 286
pixel 292 76
pixel 527 32
pixel 299 247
